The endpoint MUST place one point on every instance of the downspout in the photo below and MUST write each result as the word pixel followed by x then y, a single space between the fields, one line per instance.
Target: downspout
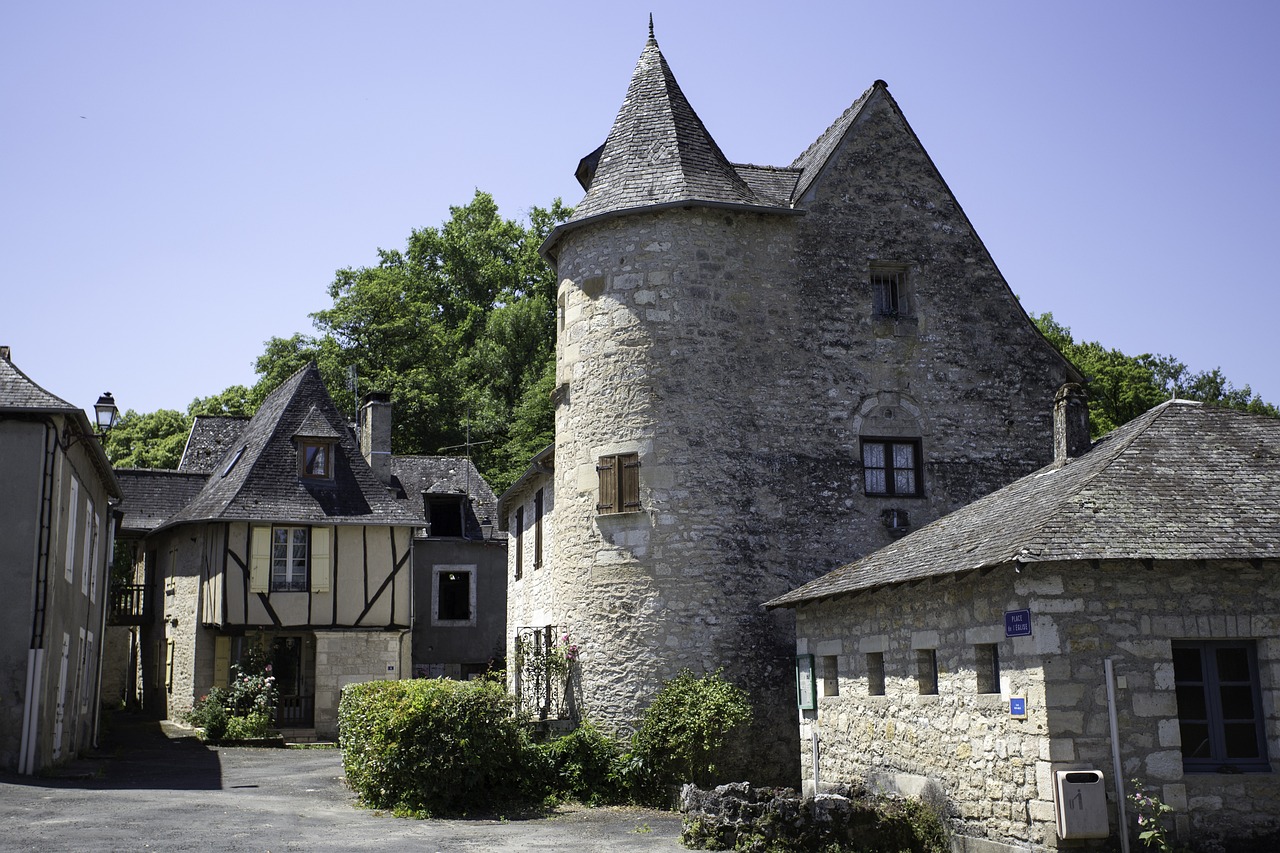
pixel 1115 754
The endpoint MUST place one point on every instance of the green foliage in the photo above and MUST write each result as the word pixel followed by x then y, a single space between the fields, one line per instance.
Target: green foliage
pixel 254 726
pixel 1152 814
pixel 437 746
pixel 210 714
pixel 152 440
pixel 1121 387
pixel 585 764
pixel 684 728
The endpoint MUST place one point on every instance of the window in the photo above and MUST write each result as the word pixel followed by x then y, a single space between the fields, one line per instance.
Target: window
pixel 445 516
pixel 289 559
pixel 317 459
pixel 829 670
pixel 889 291
pixel 891 466
pixel 519 542
pixel 455 596
pixel 927 671
pixel 619 483
pixel 875 673
pixel 537 530
pixel 1219 706
pixel 987 667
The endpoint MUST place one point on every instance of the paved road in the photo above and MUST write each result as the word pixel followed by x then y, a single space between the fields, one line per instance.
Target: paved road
pixel 153 787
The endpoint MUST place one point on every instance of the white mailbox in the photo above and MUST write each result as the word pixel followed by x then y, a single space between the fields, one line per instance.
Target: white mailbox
pixel 1080 798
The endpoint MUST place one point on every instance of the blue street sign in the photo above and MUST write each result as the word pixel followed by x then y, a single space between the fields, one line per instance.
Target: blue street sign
pixel 1017 623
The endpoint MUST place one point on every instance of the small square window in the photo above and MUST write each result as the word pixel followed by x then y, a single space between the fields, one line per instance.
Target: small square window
pixel 875 673
pixel 829 671
pixel 927 671
pixel 892 467
pixel 889 291
pixel 454 597
pixel 987 667
pixel 619 483
pixel 317 459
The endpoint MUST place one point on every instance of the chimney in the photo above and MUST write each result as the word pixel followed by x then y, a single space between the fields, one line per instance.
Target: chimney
pixel 375 434
pixel 1070 424
pixel 4 353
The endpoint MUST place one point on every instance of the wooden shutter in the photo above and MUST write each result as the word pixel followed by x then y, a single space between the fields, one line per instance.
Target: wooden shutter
pixel 221 661
pixel 519 570
pixel 608 473
pixel 260 558
pixel 537 529
pixel 629 482
pixel 321 559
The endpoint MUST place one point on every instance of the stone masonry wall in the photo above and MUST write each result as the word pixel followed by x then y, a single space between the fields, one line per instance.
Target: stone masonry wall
pixel 996 772
pixel 739 354
pixel 349 657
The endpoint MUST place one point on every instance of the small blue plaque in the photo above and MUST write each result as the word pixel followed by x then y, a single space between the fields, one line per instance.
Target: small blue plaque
pixel 1018 707
pixel 1017 623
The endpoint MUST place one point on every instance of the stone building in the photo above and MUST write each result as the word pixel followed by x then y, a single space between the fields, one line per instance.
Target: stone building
pixel 348 563
pixel 57 497
pixel 762 372
pixel 982 657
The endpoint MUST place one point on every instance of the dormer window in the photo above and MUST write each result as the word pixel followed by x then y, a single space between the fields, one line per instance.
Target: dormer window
pixel 317 459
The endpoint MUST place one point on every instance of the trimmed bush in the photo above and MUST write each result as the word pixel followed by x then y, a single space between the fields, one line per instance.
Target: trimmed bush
pixel 683 731
pixel 436 746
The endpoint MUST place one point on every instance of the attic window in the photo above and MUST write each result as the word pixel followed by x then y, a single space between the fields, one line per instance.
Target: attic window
pixel 234 460
pixel 317 459
pixel 444 515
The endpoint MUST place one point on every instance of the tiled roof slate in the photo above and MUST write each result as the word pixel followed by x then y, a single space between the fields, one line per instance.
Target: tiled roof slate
pixel 19 393
pixel 443 475
pixel 1183 481
pixel 211 437
pixel 152 495
pixel 810 162
pixel 263 484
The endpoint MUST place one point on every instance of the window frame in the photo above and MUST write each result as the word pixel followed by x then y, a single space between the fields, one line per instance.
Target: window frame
pixel 289 583
pixel 889 296
pixel 519 543
pixel 308 449
pixel 1211 687
pixel 927 672
pixel 875 674
pixel 437 574
pixel 619 483
pixel 887 444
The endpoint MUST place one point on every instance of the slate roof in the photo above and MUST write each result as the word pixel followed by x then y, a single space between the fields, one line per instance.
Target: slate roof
pixel 152 495
pixel 20 395
pixel 443 475
pixel 810 163
pixel 210 438
pixel 263 484
pixel 1183 481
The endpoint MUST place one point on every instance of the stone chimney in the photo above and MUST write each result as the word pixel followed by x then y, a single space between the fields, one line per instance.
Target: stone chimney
pixel 375 434
pixel 1070 424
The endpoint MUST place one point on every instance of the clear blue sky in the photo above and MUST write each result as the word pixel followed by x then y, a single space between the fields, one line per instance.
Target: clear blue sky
pixel 179 181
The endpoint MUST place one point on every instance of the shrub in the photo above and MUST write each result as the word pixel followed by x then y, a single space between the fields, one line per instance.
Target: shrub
pixel 210 714
pixel 682 732
pixel 437 746
pixel 585 764
pixel 253 687
pixel 249 727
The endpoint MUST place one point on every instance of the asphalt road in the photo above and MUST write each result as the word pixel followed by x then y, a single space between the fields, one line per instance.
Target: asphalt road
pixel 154 787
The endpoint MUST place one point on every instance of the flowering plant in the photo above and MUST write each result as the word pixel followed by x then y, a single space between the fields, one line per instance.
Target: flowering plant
pixel 568 649
pixel 1151 813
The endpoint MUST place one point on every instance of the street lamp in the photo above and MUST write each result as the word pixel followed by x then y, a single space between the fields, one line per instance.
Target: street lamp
pixel 105 412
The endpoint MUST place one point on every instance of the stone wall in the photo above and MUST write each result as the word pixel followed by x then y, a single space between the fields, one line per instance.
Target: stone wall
pixel 350 657
pixel 740 356
pixel 996 772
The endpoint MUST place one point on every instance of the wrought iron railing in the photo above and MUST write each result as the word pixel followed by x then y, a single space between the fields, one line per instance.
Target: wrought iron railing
pixel 543 675
pixel 129 604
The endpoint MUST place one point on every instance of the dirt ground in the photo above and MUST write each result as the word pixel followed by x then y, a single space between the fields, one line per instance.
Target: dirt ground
pixel 153 786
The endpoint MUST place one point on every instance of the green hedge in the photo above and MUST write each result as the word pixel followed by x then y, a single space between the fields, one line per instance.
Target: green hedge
pixel 437 746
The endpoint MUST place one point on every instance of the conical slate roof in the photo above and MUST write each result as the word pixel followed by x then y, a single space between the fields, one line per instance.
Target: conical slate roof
pixel 658 151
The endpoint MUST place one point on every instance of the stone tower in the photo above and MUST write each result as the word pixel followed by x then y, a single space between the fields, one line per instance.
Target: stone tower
pixel 762 373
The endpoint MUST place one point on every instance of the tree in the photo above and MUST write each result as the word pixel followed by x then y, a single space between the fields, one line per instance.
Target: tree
pixel 153 440
pixel 1121 387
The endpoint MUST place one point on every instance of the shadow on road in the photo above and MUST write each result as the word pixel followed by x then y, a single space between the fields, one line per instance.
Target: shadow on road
pixel 138 753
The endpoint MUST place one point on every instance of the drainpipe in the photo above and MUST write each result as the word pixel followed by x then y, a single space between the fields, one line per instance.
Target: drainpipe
pixel 1115 754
